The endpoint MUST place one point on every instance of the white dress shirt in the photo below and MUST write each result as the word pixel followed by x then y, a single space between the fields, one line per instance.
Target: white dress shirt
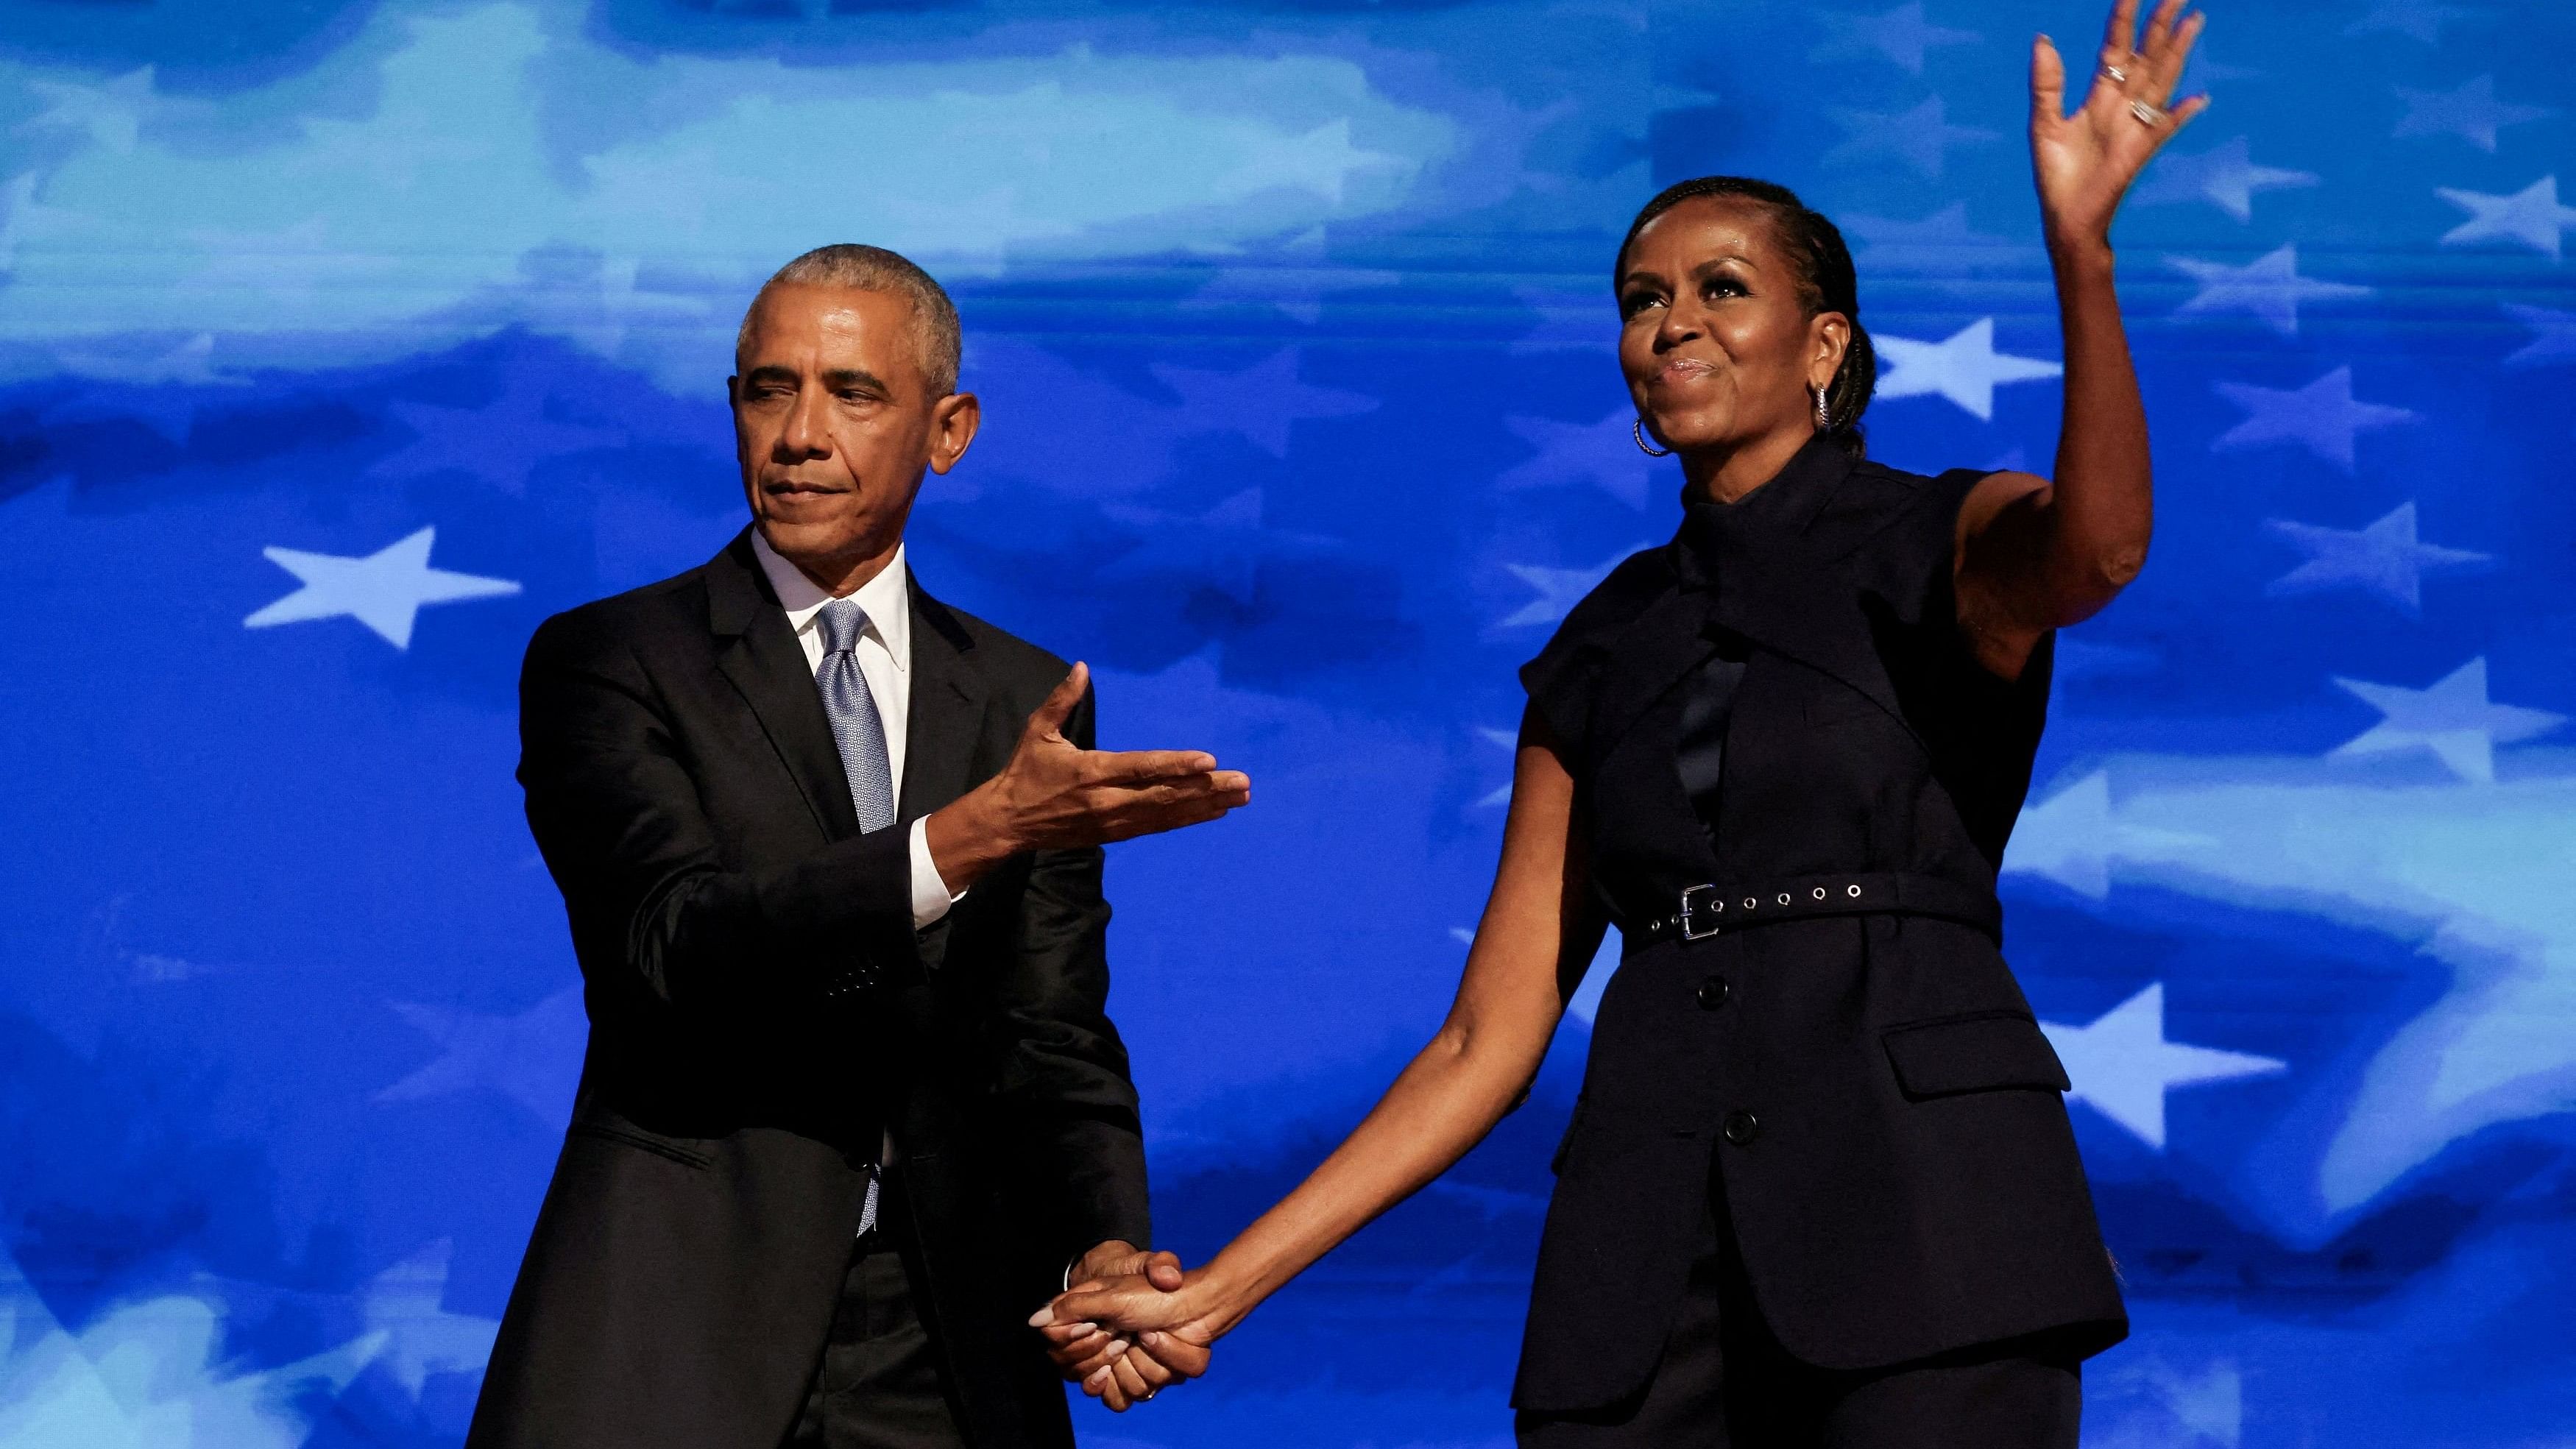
pixel 885 662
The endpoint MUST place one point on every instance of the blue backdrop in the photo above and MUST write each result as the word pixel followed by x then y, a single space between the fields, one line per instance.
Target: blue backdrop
pixel 341 341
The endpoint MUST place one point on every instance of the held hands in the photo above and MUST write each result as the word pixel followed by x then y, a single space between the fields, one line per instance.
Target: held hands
pixel 1054 795
pixel 2084 162
pixel 1129 1366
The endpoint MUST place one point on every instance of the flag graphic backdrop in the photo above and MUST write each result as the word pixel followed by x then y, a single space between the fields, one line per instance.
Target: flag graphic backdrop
pixel 342 342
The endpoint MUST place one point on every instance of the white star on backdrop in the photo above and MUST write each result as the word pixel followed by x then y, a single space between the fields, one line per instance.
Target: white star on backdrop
pixel 420 1337
pixel 2472 113
pixel 384 590
pixel 2269 287
pixel 533 1057
pixel 2122 1064
pixel 1262 400
pixel 2531 216
pixel 1942 243
pixel 2553 336
pixel 2321 417
pixel 1901 34
pixel 110 114
pixel 2073 837
pixel 2420 19
pixel 2226 178
pixel 2385 558
pixel 1963 367
pixel 1603 454
pixel 2452 717
pixel 1559 590
pixel 499 442
pixel 1919 137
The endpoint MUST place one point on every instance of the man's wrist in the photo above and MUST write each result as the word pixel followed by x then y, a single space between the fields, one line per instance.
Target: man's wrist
pixel 969 836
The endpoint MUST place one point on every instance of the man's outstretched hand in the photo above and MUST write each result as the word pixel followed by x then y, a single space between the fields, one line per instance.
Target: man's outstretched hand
pixel 1116 1369
pixel 1054 795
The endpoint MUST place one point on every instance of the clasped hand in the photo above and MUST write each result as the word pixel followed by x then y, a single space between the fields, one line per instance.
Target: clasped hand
pixel 1124 1329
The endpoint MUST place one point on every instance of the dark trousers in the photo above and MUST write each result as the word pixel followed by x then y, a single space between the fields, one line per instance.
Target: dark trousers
pixel 1726 1383
pixel 880 1384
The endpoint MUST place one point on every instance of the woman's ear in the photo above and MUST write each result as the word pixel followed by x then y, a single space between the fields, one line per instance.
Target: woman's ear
pixel 1829 337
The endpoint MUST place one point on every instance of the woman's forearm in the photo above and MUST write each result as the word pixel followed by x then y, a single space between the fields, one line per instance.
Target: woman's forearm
pixel 1442 1105
pixel 2101 509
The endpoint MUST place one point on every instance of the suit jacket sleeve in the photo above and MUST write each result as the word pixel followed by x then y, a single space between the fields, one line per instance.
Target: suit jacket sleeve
pixel 654 903
pixel 1064 1065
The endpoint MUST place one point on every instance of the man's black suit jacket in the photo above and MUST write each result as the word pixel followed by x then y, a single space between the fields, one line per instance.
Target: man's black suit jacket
pixel 682 782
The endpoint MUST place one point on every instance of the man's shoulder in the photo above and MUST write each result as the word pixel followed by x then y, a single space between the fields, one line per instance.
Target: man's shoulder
pixel 625 622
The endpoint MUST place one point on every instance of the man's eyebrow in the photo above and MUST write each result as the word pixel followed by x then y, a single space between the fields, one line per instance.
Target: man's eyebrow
pixel 772 372
pixel 858 378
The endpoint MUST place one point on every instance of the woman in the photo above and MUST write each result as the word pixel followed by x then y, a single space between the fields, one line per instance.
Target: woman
pixel 1820 1187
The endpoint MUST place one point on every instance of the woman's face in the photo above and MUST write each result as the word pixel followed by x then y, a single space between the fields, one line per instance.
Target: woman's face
pixel 1717 346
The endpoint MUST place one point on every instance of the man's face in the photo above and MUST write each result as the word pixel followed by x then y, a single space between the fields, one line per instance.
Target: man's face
pixel 834 422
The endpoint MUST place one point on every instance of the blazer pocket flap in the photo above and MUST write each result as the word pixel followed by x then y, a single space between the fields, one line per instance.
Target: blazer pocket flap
pixel 1974 1054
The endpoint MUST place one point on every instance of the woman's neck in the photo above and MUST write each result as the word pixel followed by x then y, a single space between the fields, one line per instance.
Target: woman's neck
pixel 1725 474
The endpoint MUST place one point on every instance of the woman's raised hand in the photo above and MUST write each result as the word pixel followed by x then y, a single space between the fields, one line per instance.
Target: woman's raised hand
pixel 2084 162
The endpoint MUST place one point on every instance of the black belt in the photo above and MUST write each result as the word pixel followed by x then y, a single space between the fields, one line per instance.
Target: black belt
pixel 1706 910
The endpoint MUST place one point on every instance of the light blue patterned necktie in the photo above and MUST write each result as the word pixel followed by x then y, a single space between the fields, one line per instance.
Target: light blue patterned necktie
pixel 859 732
pixel 857 728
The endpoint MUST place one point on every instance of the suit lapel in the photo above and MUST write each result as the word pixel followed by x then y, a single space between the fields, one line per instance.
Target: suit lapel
pixel 759 654
pixel 945 722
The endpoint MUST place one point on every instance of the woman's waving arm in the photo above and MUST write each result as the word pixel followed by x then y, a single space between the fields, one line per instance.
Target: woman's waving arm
pixel 2036 554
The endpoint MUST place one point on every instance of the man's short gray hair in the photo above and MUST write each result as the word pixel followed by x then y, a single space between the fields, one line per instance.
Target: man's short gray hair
pixel 936 335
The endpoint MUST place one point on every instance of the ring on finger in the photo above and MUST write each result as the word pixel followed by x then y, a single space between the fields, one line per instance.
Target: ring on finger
pixel 2147 115
pixel 2117 75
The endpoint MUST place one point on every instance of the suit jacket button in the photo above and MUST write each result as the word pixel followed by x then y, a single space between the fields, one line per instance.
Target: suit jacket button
pixel 1712 993
pixel 1742 1127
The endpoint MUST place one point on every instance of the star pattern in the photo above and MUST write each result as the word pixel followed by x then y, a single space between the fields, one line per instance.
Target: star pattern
pixel 1902 35
pixel 2123 1064
pixel 1262 401
pixel 2322 417
pixel 2452 717
pixel 1297 292
pixel 500 442
pixel 1602 454
pixel 532 1057
pixel 2471 113
pixel 1222 548
pixel 2531 216
pixel 2553 337
pixel 2385 558
pixel 1920 138
pixel 2074 837
pixel 1963 367
pixel 2269 288
pixel 1321 160
pixel 2226 178
pixel 1559 590
pixel 384 590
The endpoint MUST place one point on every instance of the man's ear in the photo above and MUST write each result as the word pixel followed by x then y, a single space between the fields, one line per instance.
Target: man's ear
pixel 953 422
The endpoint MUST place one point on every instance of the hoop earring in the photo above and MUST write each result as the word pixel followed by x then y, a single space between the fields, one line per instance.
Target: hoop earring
pixel 1824 419
pixel 1637 430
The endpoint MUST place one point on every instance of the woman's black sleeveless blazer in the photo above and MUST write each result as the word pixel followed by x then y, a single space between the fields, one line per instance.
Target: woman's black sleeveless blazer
pixel 1829 1026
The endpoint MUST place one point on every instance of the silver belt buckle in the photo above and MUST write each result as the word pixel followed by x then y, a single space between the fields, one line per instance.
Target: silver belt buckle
pixel 1692 907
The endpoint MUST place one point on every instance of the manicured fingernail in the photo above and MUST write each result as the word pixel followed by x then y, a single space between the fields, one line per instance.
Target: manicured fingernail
pixel 1154 1339
pixel 1118 1348
pixel 1098 1377
pixel 1043 1318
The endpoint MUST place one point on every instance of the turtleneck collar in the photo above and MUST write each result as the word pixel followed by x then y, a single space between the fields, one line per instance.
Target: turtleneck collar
pixel 1785 504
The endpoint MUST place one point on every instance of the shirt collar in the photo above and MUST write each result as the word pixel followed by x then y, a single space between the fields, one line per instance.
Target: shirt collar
pixel 886 599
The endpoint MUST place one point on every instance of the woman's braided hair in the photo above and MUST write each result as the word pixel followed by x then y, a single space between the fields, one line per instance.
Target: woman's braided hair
pixel 1825 284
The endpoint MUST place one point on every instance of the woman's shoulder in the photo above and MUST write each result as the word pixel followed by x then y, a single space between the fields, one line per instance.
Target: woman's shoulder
pixel 1561 677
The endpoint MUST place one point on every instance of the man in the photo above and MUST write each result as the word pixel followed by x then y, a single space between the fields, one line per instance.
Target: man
pixel 831 854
